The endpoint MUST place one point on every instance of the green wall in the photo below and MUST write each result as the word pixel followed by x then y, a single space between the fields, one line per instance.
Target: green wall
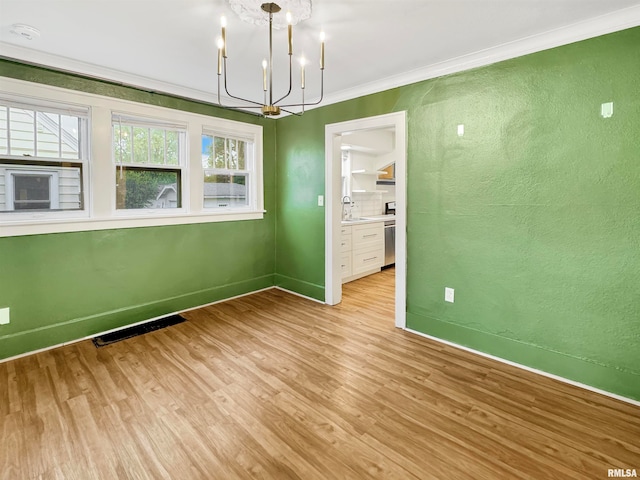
pixel 62 287
pixel 532 216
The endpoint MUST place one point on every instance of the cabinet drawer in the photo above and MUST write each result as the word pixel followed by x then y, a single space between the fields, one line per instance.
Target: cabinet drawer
pixel 372 233
pixel 369 259
pixel 345 265
pixel 345 244
pixel 345 231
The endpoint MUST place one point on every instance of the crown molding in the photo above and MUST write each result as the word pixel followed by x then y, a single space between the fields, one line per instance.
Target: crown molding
pixel 91 70
pixel 594 27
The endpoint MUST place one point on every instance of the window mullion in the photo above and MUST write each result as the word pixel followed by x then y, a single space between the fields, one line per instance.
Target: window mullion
pixel 60 136
pixel 8 130
pixel 35 133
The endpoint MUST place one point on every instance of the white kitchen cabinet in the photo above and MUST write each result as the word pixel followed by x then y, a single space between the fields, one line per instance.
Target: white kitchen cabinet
pixel 345 251
pixel 361 250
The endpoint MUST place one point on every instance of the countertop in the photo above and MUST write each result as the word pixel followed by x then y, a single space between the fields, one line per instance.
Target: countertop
pixel 369 219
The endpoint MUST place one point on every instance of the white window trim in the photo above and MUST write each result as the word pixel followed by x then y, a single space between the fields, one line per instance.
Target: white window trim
pixel 251 160
pixel 146 122
pixel 99 172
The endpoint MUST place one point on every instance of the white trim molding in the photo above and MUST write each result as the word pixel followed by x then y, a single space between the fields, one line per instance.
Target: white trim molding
pixel 594 27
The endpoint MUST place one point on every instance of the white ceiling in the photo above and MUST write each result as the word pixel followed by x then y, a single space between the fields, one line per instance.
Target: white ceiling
pixel 169 45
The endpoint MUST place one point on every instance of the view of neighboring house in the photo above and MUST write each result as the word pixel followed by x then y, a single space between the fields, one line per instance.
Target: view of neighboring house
pixel 26 184
pixel 167 197
pixel 224 195
pixel 216 195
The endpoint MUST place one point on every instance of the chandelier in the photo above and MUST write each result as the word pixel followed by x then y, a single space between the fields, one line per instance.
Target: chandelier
pixel 268 14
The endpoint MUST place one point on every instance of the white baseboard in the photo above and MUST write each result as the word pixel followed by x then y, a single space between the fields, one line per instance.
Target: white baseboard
pixel 529 369
pixel 300 295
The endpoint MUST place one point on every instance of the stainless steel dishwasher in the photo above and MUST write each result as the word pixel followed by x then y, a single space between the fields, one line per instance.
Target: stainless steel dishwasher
pixel 389 243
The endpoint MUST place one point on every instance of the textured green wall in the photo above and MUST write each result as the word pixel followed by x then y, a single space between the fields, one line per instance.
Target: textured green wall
pixel 532 216
pixel 62 287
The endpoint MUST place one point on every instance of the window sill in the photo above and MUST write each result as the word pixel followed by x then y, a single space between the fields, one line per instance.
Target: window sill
pixel 20 228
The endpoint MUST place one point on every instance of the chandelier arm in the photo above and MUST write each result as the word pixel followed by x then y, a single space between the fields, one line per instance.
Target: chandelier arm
pixel 297 114
pixel 310 104
pixel 290 82
pixel 233 96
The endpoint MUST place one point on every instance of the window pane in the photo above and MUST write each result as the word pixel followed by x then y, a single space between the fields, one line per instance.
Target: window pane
pixel 157 146
pixel 146 188
pixel 70 136
pixel 31 192
pixel 173 148
pixel 40 187
pixel 3 130
pixel 232 154
pixel 219 158
pixel 21 123
pixel 221 190
pixel 48 135
pixel 242 152
pixel 122 143
pixel 140 145
pixel 208 154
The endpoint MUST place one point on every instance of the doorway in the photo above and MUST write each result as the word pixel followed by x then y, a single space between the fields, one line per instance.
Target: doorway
pixel 333 205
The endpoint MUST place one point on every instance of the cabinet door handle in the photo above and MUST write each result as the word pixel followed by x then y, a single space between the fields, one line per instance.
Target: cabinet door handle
pixel 369 259
pixel 370 235
pixel 343 243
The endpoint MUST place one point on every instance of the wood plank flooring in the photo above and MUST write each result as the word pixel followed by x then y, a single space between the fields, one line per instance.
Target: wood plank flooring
pixel 274 386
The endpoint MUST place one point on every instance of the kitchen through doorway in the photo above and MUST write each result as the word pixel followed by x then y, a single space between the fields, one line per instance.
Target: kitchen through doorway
pixel 365 198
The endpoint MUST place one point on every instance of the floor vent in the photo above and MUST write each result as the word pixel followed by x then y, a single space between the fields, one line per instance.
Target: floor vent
pixel 130 332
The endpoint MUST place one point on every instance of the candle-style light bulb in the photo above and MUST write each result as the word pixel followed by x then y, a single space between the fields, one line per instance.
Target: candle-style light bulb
pixel 223 24
pixel 264 75
pixel 220 47
pixel 303 61
pixel 322 50
pixel 290 33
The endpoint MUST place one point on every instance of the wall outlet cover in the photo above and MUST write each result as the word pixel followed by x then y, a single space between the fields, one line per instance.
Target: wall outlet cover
pixel 4 316
pixel 448 294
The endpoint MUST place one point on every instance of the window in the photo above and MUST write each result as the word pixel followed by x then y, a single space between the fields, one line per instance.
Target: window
pixel 75 161
pixel 149 157
pixel 43 155
pixel 227 164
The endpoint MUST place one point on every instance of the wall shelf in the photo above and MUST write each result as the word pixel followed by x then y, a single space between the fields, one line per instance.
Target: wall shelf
pixel 367 172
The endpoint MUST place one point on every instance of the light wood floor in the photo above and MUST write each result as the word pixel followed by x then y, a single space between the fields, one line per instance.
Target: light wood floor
pixel 275 386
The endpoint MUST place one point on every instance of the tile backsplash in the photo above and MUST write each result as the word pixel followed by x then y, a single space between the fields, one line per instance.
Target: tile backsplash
pixel 367 204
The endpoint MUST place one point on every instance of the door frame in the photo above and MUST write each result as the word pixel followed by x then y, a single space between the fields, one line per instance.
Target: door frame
pixel 333 209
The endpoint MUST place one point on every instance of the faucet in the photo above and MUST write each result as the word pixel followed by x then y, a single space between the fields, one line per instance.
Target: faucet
pixel 346 215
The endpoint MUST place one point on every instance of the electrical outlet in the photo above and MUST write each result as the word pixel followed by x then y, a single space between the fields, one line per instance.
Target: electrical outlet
pixel 321 200
pixel 461 130
pixel 448 294
pixel 4 316
pixel 606 110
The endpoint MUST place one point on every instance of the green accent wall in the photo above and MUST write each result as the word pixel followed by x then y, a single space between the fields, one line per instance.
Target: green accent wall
pixel 62 287
pixel 532 216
